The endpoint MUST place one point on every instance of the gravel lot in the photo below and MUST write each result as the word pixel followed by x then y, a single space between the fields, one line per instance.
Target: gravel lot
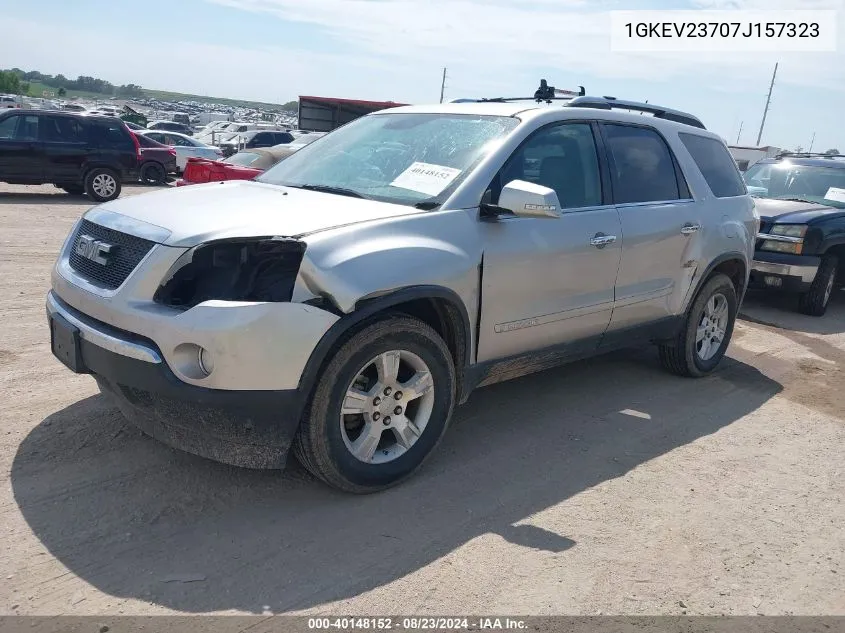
pixel 606 486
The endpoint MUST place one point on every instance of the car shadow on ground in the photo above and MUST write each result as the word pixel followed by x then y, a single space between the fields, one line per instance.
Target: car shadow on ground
pixel 138 520
pixel 60 197
pixel 780 310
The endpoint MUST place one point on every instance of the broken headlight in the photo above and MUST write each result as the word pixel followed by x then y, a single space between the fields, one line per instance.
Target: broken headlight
pixel 259 269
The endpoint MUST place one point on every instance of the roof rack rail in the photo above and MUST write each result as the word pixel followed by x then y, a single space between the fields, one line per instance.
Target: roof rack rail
pixel 659 112
pixel 787 153
pixel 580 99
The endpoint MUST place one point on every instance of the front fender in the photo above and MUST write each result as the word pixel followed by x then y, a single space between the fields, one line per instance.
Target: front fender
pixel 361 262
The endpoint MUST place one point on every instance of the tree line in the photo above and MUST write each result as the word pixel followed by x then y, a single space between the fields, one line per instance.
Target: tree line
pixel 18 81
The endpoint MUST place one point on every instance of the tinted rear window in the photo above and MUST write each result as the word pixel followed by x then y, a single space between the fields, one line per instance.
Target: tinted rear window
pixel 716 165
pixel 111 134
pixel 63 129
pixel 643 167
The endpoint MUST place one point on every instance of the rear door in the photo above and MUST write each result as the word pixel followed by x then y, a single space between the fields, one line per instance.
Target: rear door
pixel 114 144
pixel 21 150
pixel 66 148
pixel 660 224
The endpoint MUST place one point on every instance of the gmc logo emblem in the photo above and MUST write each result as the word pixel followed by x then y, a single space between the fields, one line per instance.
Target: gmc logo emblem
pixel 94 249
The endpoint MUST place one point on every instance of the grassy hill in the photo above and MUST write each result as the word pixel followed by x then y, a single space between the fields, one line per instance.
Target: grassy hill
pixel 36 89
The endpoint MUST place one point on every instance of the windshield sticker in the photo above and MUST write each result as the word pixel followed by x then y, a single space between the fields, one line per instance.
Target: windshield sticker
pixel 836 194
pixel 426 178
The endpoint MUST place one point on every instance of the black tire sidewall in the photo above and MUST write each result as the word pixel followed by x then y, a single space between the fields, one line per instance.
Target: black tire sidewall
pixel 380 475
pixel 89 179
pixel 156 169
pixel 814 302
pixel 722 285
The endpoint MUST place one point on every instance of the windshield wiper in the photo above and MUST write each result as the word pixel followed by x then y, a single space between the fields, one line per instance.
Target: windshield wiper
pixel 341 191
pixel 427 205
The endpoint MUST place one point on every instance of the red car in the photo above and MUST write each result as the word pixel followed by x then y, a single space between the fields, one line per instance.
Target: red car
pixel 244 165
pixel 157 160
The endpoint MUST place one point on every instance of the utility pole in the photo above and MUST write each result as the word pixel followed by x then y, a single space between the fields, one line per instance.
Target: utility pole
pixel 443 86
pixel 738 134
pixel 768 101
pixel 811 143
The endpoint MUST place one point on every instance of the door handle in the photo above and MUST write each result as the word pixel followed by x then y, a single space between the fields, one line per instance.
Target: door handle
pixel 689 229
pixel 600 240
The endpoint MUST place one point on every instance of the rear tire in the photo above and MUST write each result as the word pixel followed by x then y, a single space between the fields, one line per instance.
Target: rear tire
pixel 102 184
pixel 153 173
pixel 815 301
pixel 706 332
pixel 386 433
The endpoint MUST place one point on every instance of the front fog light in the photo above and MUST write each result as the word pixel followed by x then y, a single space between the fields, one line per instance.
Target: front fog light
pixel 206 362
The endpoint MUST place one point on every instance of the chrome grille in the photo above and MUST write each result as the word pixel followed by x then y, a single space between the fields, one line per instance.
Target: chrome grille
pixel 127 254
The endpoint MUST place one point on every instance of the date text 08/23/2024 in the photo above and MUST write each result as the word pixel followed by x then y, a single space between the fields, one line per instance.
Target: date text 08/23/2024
pixel 415 623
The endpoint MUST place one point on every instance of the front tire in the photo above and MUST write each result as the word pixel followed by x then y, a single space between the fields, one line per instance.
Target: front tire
pixel 706 332
pixel 816 300
pixel 102 184
pixel 380 407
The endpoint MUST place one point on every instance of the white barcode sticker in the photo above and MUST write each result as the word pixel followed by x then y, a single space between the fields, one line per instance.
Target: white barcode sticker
pixel 836 194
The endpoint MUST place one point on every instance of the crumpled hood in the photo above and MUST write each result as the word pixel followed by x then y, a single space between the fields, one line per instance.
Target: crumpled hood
pixel 791 212
pixel 240 208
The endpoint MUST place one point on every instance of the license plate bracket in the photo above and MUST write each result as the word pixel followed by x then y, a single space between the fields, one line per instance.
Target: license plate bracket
pixel 65 344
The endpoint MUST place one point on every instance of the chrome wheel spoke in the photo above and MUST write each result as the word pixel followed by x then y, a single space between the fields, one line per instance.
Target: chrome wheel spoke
pixel 375 404
pixel 705 349
pixel 387 365
pixel 355 402
pixel 700 333
pixel 418 386
pixel 364 447
pixel 405 430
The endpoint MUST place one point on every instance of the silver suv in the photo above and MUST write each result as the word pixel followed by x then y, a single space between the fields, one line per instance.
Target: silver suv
pixel 346 301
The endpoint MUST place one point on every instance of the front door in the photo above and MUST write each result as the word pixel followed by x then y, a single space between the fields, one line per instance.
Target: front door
pixel 660 222
pixel 21 151
pixel 550 281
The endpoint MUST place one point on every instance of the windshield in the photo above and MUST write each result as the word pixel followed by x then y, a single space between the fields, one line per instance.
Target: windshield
pixel 242 158
pixel 790 181
pixel 401 158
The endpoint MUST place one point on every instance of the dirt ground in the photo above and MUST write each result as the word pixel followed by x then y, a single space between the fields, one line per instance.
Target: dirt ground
pixel 606 486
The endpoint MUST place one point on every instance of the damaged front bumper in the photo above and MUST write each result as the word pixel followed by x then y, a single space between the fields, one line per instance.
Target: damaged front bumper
pixel 248 428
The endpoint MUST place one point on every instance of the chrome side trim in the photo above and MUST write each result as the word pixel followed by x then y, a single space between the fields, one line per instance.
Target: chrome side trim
pixel 97 335
pixel 806 273
pixel 780 238
pixel 125 224
pixel 655 203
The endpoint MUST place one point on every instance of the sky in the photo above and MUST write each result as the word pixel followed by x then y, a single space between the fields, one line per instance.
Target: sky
pixel 276 50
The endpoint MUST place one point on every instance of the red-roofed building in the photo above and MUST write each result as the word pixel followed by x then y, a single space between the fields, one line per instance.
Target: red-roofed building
pixel 323 114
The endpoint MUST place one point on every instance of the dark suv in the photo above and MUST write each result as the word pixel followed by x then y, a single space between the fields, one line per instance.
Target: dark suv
pixel 255 139
pixel 77 152
pixel 801 244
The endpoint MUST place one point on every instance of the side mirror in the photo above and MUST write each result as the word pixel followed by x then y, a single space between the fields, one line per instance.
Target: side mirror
pixel 527 200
